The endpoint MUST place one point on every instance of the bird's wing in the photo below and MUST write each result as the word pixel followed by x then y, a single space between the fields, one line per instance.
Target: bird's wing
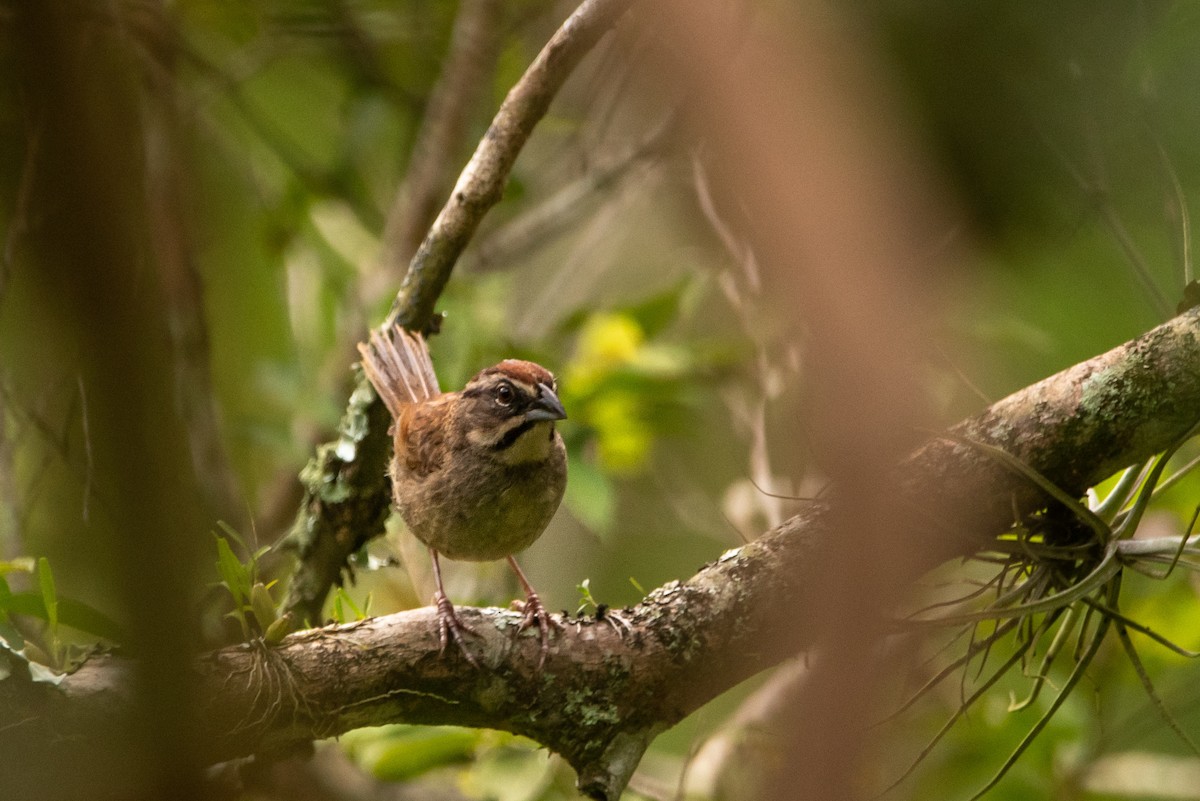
pixel 419 441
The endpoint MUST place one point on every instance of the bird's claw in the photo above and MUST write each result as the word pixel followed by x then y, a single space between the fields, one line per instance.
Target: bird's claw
pixel 535 613
pixel 450 627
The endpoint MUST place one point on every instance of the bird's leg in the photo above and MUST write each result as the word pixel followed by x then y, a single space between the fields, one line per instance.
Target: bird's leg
pixel 535 612
pixel 449 626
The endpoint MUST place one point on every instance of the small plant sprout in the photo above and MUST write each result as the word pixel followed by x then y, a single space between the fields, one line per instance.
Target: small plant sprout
pixel 254 609
pixel 586 601
pixel 599 611
pixel 344 610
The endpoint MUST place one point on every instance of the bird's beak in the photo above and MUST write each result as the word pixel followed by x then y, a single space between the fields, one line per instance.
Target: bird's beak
pixel 546 407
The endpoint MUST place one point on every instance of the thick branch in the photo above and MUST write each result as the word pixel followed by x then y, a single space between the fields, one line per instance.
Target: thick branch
pixel 602 697
pixel 346 495
pixel 1076 428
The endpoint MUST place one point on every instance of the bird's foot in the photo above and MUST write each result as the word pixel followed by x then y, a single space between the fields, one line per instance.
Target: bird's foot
pixel 451 628
pixel 535 614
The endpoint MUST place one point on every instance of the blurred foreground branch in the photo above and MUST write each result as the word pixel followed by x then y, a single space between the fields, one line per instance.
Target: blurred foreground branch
pixel 606 692
pixel 347 498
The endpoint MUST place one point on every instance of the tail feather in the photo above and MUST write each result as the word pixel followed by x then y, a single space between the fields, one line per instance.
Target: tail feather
pixel 397 364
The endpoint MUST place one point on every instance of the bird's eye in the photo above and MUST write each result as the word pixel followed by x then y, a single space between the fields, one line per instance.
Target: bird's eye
pixel 504 395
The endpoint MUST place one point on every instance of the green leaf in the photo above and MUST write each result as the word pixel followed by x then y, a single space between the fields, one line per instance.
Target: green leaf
pixel 233 573
pixel 231 533
pixel 24 603
pixel 90 620
pixel 7 655
pixel 75 614
pixel 263 606
pixel 49 592
pixel 9 633
pixel 586 601
pixel 358 613
pixel 50 602
pixel 590 496
pixel 239 617
pixel 280 628
pixel 39 673
pixel 343 605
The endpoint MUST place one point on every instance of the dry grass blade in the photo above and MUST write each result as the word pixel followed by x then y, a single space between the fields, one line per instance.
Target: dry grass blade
pixel 972 651
pixel 1135 662
pixel 1070 618
pixel 1027 740
pixel 1000 672
pixel 1129 623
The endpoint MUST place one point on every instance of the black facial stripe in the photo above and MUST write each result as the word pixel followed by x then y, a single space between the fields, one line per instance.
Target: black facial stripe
pixel 513 434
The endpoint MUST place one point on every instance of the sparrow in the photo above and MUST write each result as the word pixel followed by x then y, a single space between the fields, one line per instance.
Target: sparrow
pixel 476 474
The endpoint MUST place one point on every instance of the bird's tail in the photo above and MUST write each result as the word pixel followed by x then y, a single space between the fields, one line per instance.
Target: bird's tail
pixel 397 363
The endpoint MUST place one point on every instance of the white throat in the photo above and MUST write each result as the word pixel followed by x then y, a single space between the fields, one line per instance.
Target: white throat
pixel 533 445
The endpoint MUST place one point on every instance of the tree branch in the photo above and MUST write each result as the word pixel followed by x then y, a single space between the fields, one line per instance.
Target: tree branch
pixel 474 46
pixel 1076 428
pixel 481 184
pixel 603 695
pixel 346 497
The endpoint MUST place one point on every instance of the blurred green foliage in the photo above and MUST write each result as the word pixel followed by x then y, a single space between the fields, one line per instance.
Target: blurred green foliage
pixel 51 644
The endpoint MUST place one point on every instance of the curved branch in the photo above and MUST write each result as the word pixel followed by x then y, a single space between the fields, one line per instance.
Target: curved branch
pixel 604 693
pixel 602 697
pixel 346 496
pixel 1076 428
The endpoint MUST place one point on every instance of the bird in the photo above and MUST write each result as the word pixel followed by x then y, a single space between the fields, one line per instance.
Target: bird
pixel 476 474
